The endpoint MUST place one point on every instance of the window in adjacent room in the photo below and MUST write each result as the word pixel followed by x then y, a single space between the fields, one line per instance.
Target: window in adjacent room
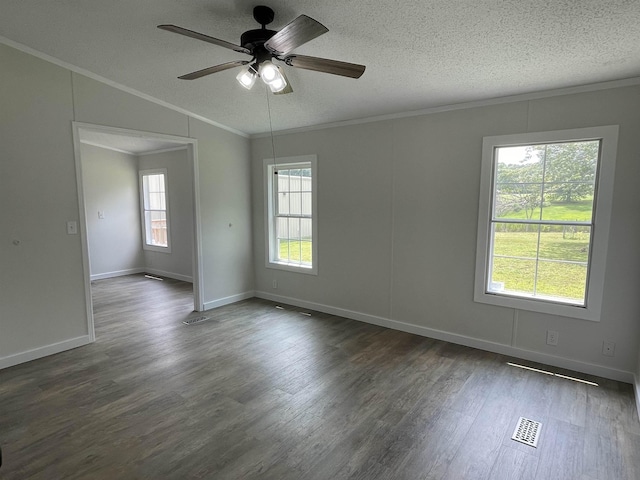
pixel 545 204
pixel 155 214
pixel 291 214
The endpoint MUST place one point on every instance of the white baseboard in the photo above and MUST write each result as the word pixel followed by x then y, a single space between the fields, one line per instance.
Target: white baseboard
pixel 117 273
pixel 561 362
pixel 22 357
pixel 228 300
pixel 162 273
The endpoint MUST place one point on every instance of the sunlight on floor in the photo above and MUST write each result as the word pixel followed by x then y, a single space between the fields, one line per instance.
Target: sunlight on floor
pixel 552 374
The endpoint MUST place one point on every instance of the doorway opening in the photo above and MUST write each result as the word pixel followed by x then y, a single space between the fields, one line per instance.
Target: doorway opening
pixel 113 223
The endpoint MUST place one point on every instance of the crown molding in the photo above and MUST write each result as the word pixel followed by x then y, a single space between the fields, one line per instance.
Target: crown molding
pixel 592 87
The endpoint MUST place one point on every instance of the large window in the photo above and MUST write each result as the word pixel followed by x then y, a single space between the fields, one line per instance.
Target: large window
pixel 544 220
pixel 155 214
pixel 291 219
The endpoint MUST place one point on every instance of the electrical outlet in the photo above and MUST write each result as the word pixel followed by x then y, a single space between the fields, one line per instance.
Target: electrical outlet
pixel 552 337
pixel 608 349
pixel 275 283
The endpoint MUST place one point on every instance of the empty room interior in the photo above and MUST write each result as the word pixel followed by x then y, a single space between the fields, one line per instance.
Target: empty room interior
pixel 320 240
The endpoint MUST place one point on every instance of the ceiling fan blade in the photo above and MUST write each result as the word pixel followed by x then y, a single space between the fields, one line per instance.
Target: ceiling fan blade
pixel 204 38
pixel 325 65
pixel 286 89
pixel 214 69
pixel 294 34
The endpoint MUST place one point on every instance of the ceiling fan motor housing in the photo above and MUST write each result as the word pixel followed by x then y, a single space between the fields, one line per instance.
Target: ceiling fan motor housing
pixel 253 40
pixel 256 38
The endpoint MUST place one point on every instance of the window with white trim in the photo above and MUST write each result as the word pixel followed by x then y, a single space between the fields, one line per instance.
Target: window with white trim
pixel 543 227
pixel 154 210
pixel 291 213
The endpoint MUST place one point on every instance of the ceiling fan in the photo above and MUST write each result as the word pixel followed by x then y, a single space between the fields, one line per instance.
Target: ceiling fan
pixel 266 45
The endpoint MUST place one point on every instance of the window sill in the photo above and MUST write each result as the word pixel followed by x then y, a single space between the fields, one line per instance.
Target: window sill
pixel 154 248
pixel 292 267
pixel 538 305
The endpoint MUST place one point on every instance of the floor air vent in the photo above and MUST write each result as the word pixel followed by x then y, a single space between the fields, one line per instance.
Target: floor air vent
pixel 193 320
pixel 527 432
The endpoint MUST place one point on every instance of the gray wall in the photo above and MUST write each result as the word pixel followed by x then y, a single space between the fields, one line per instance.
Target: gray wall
pixel 110 181
pixel 42 294
pixel 111 185
pixel 42 298
pixel 397 225
pixel 225 198
pixel 178 263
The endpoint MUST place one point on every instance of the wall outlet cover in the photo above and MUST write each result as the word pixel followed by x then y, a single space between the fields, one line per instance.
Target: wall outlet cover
pixel 608 349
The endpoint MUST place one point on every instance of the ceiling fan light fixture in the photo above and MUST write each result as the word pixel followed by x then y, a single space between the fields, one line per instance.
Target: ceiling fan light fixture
pixel 278 84
pixel 247 77
pixel 269 73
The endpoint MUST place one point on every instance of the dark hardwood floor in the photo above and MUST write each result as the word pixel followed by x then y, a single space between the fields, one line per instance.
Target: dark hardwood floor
pixel 262 393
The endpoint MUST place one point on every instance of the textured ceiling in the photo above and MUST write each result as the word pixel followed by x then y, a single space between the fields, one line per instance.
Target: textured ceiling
pixel 419 54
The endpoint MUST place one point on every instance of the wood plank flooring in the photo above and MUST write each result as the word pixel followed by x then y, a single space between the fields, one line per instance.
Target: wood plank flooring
pixel 262 393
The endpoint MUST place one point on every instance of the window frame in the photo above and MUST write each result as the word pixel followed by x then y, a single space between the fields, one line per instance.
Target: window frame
pixel 608 135
pixel 143 218
pixel 284 163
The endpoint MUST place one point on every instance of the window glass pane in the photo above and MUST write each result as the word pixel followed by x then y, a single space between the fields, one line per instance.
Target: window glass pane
pixel 295 183
pixel 283 180
pixel 156 231
pixel 157 201
pixel 306 204
pixel 572 162
pixel 305 172
pixel 522 164
pixel 556 208
pixel 564 242
pixel 283 250
pixel 145 192
pixel 283 204
pixel 570 175
pixel 156 182
pixel 294 251
pixel 518 201
pixel 306 228
pixel 294 229
pixel 518 240
pixel 298 251
pixel 305 252
pixel 512 275
pixel 295 203
pixel 564 281
pixel 515 248
pixel 282 227
pixel 518 188
pixel 148 238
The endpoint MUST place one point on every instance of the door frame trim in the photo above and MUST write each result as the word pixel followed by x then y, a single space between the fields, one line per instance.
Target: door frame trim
pixel 192 155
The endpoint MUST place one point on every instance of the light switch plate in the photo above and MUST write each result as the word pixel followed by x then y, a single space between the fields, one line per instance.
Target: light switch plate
pixel 72 227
